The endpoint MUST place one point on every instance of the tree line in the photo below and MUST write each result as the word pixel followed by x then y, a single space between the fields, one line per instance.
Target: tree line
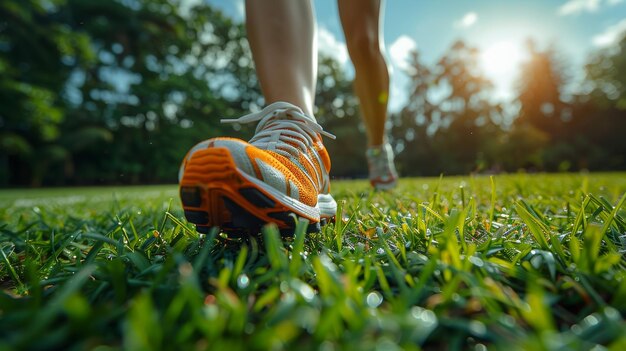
pixel 117 91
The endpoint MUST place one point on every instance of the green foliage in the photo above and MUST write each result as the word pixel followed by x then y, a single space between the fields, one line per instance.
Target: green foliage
pixel 540 90
pixel 90 89
pixel 519 261
pixel 449 122
pixel 452 125
pixel 606 72
pixel 116 92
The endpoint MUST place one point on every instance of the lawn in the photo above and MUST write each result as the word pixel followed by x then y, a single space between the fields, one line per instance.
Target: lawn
pixel 510 262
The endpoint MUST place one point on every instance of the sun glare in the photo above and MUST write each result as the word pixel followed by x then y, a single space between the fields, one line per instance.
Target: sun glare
pixel 500 62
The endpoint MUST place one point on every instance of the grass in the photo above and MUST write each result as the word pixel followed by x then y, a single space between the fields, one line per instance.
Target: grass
pixel 509 262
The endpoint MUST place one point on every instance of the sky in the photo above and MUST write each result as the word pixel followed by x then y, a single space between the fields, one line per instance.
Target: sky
pixel 498 28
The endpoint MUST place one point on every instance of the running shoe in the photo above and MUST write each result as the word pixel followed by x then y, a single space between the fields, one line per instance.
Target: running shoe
pixel 277 176
pixel 382 171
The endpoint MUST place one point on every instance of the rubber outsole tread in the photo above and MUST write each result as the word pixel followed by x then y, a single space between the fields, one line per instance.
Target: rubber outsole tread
pixel 257 198
pixel 246 223
pixel 214 194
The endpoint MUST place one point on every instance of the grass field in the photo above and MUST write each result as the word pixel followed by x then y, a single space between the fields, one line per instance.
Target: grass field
pixel 510 262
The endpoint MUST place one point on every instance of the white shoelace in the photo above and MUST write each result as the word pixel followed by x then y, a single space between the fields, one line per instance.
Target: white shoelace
pixel 281 126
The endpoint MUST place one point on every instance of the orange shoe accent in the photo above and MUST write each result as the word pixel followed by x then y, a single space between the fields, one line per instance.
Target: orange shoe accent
pixel 215 193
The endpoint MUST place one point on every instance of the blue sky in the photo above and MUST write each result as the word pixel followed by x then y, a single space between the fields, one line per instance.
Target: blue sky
pixel 498 28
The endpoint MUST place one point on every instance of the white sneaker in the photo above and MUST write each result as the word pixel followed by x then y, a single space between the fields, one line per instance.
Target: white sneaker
pixel 239 186
pixel 382 171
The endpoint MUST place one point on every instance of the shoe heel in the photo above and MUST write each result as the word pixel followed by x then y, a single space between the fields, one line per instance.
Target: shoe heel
pixel 191 199
pixel 214 193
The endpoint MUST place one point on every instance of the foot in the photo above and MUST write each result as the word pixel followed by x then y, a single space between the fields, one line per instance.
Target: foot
pixel 281 172
pixel 382 171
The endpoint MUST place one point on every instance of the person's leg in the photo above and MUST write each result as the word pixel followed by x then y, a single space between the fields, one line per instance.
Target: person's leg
pixel 361 24
pixel 283 170
pixel 282 34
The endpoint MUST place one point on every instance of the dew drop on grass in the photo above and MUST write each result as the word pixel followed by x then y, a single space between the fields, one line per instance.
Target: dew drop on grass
pixel 425 316
pixel 243 281
pixel 591 320
pixel 480 347
pixel 284 286
pixel 374 299
pixel 380 251
pixel 507 320
pixel 477 328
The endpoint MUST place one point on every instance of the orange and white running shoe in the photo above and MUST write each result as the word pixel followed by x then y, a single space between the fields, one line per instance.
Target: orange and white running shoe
pixel 382 171
pixel 240 186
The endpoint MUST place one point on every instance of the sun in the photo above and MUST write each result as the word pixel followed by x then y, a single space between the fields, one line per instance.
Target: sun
pixel 501 61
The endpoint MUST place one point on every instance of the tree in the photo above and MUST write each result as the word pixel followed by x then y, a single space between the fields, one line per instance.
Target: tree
pixel 466 111
pixel 542 112
pixel 410 138
pixel 449 118
pixel 540 90
pixel 606 76
pixel 159 84
pixel 114 91
pixel 36 47
pixel 598 120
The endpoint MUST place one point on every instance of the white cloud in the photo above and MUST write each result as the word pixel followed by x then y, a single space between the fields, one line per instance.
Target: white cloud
pixel 574 7
pixel 468 20
pixel 399 54
pixel 611 35
pixel 329 45
pixel 399 51
pixel 241 8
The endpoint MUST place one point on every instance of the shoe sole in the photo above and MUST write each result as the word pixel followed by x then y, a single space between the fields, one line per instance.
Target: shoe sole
pixel 215 193
pixel 384 186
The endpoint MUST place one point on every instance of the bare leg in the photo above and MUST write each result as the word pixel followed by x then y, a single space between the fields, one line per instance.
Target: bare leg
pixel 361 24
pixel 282 34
